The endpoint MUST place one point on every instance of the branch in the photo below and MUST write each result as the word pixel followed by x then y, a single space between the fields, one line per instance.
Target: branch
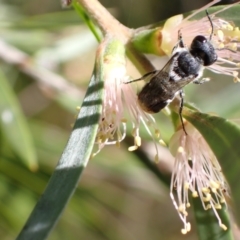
pixel 105 21
pixel 45 77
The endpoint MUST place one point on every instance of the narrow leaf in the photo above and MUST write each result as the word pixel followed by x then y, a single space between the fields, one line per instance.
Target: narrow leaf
pixel 70 167
pixel 14 125
pixel 81 12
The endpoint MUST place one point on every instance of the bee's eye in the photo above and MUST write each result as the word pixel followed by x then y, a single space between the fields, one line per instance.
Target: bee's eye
pixel 199 39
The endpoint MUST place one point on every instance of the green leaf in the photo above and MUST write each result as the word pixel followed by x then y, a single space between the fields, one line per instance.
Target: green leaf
pixel 14 125
pixel 81 12
pixel 207 224
pixel 223 138
pixel 73 161
pixel 20 174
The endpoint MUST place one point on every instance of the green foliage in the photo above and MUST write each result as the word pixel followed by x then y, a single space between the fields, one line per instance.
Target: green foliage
pixel 14 125
pixel 119 197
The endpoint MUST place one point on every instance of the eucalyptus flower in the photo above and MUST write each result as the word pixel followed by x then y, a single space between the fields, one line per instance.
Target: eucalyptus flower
pixel 197 172
pixel 117 96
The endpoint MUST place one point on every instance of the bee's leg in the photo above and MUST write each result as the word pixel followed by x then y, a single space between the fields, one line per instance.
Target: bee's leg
pixel 180 43
pixel 143 77
pixel 180 40
pixel 201 81
pixel 180 110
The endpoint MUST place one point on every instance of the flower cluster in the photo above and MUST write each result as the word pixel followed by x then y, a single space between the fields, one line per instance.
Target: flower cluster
pixel 196 171
pixel 113 123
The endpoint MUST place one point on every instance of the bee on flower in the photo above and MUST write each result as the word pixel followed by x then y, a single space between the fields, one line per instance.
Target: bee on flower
pixel 196 170
pixel 226 38
pixel 113 122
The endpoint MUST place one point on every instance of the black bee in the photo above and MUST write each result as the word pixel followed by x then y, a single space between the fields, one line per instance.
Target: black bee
pixel 185 66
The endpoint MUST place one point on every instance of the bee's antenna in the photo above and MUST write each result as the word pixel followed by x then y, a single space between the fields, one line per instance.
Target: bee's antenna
pixel 210 20
pixel 180 39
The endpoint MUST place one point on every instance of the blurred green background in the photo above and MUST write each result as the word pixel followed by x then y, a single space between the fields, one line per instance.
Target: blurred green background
pixel 118 197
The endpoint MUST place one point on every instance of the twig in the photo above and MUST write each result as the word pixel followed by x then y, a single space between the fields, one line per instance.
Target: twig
pixel 26 64
pixel 105 21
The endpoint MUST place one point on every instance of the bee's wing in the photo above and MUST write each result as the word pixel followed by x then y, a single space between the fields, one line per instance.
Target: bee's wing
pixel 169 75
pixel 169 65
pixel 146 77
pixel 172 76
pixel 166 70
pixel 156 73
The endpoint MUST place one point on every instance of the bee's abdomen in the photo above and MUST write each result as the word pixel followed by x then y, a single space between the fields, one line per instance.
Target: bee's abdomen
pixel 154 106
pixel 153 99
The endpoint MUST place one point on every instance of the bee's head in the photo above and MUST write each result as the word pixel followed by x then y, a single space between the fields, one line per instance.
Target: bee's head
pixel 204 50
